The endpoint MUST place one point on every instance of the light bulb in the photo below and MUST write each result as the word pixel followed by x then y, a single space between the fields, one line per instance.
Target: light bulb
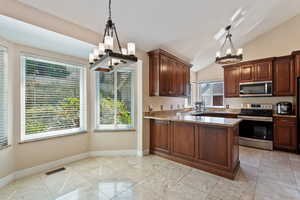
pixel 131 48
pixel 240 52
pixel 96 53
pixel 109 42
pixel 91 58
pixel 101 48
pixel 228 51
pixel 218 54
pixel 124 51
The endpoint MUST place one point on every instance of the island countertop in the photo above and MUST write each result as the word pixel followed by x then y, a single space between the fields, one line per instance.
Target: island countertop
pixel 204 120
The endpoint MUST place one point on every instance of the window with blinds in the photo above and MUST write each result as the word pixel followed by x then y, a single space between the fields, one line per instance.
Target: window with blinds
pixel 212 93
pixel 115 100
pixel 3 99
pixel 53 101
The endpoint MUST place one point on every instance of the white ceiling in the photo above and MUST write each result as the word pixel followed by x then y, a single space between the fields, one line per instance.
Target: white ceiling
pixel 186 28
pixel 30 35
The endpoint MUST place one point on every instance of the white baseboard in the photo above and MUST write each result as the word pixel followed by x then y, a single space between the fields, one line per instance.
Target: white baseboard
pixel 47 166
pixel 44 167
pixel 144 152
pixel 7 180
pixel 114 153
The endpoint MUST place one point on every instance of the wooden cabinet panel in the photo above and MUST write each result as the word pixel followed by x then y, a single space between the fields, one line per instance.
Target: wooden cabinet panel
pixel 212 140
pixel 183 140
pixel 168 75
pixel 231 81
pixel 263 71
pixel 285 133
pixel 160 135
pixel 297 65
pixel 247 73
pixel 284 77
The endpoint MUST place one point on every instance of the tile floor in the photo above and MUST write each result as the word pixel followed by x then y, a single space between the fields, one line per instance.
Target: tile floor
pixel 263 175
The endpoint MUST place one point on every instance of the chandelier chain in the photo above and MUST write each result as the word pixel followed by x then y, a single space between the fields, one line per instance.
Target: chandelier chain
pixel 109 9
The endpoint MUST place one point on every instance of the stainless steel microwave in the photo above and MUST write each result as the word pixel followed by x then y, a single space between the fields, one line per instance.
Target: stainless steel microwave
pixel 256 89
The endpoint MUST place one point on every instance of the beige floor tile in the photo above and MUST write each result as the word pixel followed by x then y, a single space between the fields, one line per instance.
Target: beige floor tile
pixel 137 193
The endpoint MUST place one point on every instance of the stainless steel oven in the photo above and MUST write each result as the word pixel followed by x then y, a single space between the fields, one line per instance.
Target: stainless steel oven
pixel 256 129
pixel 256 89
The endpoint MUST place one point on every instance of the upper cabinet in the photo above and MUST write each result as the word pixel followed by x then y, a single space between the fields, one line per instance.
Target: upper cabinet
pixel 297 63
pixel 231 81
pixel 284 76
pixel 168 75
pixel 263 70
pixel 256 71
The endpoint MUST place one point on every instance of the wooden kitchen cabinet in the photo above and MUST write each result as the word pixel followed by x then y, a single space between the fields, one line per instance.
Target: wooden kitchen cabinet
pixel 183 140
pixel 168 75
pixel 297 63
pixel 231 81
pixel 284 76
pixel 160 136
pixel 264 70
pixel 247 73
pixel 285 133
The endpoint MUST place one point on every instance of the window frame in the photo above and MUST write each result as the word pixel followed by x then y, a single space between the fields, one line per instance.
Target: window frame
pixel 115 127
pixel 199 96
pixel 6 71
pixel 83 106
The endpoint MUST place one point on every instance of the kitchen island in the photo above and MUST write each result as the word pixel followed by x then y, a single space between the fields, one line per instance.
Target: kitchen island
pixel 206 143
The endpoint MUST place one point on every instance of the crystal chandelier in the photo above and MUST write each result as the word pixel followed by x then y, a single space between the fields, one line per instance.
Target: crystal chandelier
pixel 228 55
pixel 104 58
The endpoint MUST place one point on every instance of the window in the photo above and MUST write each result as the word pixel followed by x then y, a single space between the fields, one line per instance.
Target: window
pixel 52 98
pixel 212 93
pixel 3 99
pixel 115 100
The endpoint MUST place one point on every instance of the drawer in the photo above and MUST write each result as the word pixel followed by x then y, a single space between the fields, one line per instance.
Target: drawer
pixel 286 122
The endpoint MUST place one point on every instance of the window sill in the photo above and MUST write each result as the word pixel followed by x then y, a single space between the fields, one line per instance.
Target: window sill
pixel 53 137
pixel 114 130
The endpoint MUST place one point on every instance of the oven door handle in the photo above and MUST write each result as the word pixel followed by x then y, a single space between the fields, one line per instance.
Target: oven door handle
pixel 252 118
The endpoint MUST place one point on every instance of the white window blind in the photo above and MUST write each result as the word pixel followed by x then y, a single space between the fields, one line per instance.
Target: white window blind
pixel 115 100
pixel 212 93
pixel 3 99
pixel 52 97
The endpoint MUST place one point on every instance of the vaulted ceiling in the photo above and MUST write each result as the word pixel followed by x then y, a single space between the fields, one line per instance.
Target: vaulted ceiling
pixel 186 28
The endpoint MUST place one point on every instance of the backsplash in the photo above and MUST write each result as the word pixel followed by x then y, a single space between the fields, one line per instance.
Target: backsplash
pixel 236 103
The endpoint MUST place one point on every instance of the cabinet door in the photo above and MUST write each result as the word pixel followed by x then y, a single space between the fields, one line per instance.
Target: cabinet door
pixel 263 71
pixel 183 140
pixel 213 143
pixel 284 77
pixel 247 73
pixel 297 64
pixel 285 134
pixel 160 136
pixel 165 76
pixel 231 81
pixel 177 79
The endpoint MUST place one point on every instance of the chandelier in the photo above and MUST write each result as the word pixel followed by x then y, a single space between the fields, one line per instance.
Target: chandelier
pixel 228 54
pixel 104 58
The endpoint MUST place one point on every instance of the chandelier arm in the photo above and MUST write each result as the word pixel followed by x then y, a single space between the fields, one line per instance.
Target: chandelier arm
pixel 231 44
pixel 119 45
pixel 105 31
pixel 223 45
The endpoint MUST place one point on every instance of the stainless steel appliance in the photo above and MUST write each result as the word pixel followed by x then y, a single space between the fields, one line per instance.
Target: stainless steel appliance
pixel 256 89
pixel 284 108
pixel 256 129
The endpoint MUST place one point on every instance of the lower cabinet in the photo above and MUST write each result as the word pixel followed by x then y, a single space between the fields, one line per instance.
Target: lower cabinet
pixel 183 140
pixel 285 133
pixel 213 143
pixel 160 136
pixel 210 148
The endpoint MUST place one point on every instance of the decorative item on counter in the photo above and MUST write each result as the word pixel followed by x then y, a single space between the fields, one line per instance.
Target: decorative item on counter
pixel 161 107
pixel 104 58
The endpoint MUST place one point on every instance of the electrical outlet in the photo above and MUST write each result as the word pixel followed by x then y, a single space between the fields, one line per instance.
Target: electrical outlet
pixel 161 107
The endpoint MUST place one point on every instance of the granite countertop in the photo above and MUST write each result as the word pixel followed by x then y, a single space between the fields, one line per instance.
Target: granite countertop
pixel 288 116
pixel 216 121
